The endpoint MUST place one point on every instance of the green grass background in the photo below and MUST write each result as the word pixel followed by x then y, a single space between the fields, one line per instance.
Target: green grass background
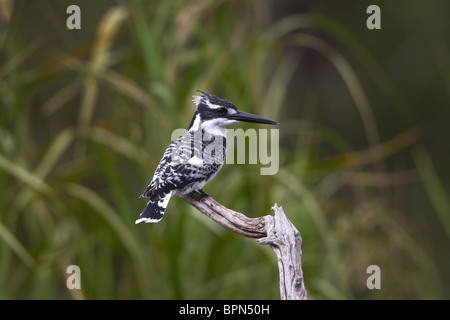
pixel 85 116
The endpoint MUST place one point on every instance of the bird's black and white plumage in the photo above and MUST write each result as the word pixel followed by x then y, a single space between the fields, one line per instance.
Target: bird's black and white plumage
pixel 194 159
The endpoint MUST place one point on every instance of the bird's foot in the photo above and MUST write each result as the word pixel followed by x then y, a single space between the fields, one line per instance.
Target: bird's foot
pixel 203 193
pixel 200 195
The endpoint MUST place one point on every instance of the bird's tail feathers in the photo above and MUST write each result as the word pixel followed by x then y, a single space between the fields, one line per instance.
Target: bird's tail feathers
pixel 156 206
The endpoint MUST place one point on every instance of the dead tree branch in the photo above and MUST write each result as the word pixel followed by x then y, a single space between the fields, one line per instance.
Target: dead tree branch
pixel 276 231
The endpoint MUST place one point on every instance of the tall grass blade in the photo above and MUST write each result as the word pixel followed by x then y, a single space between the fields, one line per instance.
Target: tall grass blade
pixel 16 246
pixel 433 186
pixel 100 58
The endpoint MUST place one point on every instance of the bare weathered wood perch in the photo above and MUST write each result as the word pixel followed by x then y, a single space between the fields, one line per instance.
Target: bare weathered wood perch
pixel 276 231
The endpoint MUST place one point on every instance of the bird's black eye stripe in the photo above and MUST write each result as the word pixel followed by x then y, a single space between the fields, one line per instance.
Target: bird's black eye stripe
pixel 222 111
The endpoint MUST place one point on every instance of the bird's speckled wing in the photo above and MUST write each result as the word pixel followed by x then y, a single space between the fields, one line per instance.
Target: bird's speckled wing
pixel 186 161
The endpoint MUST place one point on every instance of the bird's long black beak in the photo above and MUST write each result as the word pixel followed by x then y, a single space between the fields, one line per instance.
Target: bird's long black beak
pixel 248 117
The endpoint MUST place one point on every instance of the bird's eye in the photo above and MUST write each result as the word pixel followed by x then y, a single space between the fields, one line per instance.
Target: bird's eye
pixel 222 111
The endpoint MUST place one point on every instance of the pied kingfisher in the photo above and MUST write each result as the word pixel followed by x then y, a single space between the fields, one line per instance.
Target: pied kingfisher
pixel 194 159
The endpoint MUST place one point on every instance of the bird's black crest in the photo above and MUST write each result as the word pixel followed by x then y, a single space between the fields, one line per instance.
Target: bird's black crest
pixel 215 100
